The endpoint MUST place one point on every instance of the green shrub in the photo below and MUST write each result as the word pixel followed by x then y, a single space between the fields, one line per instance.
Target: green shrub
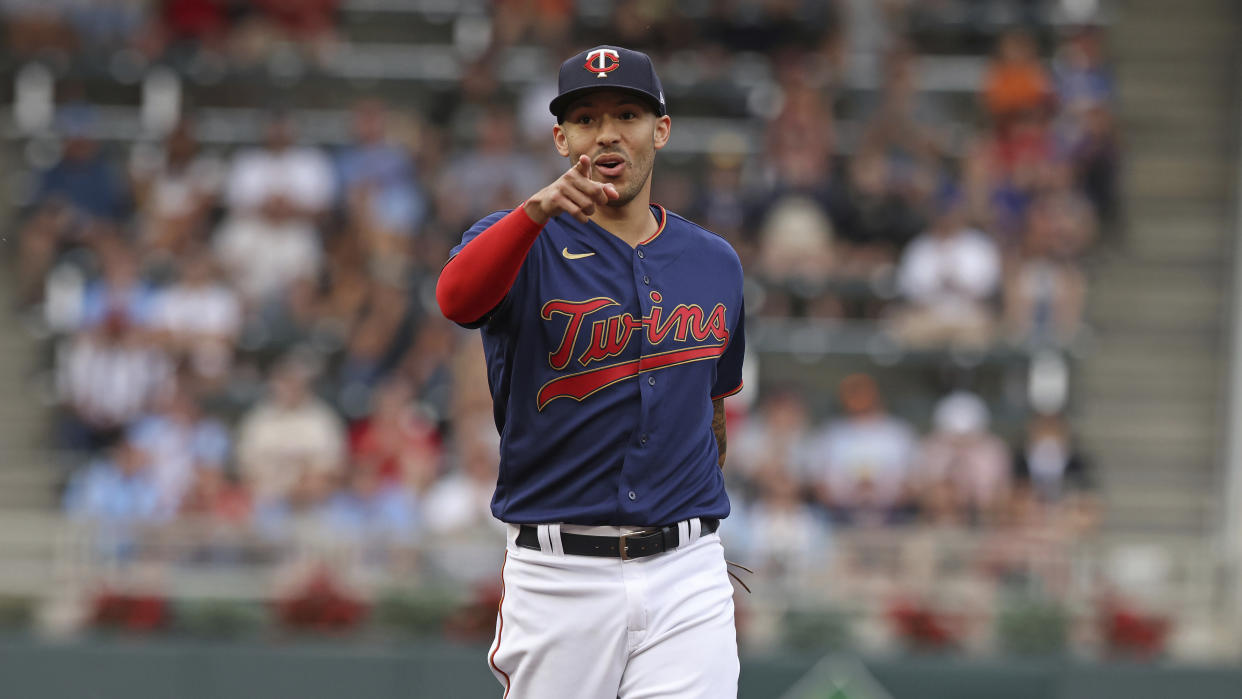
pixel 1033 627
pixel 219 618
pixel 417 611
pixel 16 613
pixel 817 630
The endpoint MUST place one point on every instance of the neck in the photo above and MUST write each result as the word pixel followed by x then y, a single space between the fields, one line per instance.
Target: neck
pixel 632 222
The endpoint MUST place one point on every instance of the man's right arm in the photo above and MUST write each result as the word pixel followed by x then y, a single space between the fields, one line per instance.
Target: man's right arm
pixel 476 279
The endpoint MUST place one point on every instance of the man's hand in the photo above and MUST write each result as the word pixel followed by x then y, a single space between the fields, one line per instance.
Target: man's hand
pixel 573 193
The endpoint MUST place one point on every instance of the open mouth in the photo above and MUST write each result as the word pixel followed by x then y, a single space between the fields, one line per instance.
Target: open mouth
pixel 610 165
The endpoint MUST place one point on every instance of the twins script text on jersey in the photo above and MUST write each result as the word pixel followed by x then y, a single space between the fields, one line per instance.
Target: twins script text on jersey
pixel 583 356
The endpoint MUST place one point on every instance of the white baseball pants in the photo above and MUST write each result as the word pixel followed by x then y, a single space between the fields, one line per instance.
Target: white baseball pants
pixel 581 627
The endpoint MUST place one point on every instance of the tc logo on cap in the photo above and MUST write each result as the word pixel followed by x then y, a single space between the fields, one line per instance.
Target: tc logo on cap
pixel 602 61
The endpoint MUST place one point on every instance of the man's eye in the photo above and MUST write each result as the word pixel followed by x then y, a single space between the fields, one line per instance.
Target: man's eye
pixel 628 115
pixel 584 119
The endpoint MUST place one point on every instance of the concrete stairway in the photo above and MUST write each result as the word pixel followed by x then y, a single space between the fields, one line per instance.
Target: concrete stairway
pixel 1153 389
pixel 27 471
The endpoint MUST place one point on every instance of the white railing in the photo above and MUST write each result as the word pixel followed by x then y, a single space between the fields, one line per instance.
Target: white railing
pixel 968 576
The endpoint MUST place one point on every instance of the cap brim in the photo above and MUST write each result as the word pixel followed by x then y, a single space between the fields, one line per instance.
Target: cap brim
pixel 562 102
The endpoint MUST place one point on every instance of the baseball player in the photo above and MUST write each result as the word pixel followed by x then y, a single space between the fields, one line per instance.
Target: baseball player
pixel 613 331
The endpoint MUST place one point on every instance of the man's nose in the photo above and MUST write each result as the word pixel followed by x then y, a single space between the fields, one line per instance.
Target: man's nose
pixel 608 133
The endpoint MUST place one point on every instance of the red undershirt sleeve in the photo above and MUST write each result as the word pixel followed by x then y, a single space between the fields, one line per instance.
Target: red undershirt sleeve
pixel 476 279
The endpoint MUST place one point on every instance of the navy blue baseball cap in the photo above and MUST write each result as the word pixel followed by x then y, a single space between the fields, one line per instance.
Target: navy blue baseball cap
pixel 612 67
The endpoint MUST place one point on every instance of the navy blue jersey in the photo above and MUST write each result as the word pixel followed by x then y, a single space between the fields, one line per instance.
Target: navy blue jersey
pixel 603 361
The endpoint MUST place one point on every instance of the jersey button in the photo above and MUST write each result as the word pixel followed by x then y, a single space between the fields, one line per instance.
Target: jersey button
pixel 641 254
pixel 632 495
pixel 646 280
pixel 650 380
pixel 643 440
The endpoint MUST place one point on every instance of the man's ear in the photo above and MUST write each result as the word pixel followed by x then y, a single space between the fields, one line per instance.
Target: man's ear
pixel 560 140
pixel 663 128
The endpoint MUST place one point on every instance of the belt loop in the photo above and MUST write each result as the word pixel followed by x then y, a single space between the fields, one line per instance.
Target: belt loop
pixel 554 538
pixel 696 529
pixel 545 539
pixel 683 532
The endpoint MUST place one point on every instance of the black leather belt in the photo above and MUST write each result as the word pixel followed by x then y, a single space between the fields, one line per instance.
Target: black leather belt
pixel 636 545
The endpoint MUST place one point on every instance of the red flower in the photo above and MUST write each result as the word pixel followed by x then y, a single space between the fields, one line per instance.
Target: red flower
pixel 1130 632
pixel 321 605
pixel 921 626
pixel 133 612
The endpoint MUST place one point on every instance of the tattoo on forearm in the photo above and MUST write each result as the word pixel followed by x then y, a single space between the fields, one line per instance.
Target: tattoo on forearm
pixel 718 428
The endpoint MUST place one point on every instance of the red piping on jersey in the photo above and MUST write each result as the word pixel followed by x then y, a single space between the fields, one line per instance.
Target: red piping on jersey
pixel 660 229
pixel 500 612
pixel 726 394
pixel 586 383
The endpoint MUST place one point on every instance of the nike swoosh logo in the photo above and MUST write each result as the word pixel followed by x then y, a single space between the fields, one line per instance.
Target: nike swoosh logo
pixel 574 255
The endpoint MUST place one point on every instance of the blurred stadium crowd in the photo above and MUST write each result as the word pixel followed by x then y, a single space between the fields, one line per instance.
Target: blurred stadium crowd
pixel 249 336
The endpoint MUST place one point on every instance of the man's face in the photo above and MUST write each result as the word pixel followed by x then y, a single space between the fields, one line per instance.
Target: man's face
pixel 620 133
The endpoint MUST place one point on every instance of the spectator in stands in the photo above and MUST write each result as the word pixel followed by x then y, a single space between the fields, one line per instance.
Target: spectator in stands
pixel 290 446
pixel 383 197
pixel 268 25
pixel 36 27
pixel 433 365
pixel 1016 82
pixel 1049 463
pixel 377 331
pixel 798 147
pixel 769 27
pixel 494 174
pixel 962 456
pixel 906 125
pixel 216 496
pixel 543 22
pixel 102 26
pixel 1096 160
pixel 785 535
pixel 796 248
pixel 861 463
pixel 116 486
pixel 116 495
pixel 275 196
pixel 178 441
pixel 721 200
pixel 120 288
pixel 77 200
pixel 193 21
pixel 881 218
pixel 460 503
pixel 347 285
pixel 397 440
pixel 1005 170
pixel 106 378
pixel 1082 77
pixel 778 433
pixel 84 179
pixel 175 187
pixel 947 277
pixel 801 204
pixel 1052 474
pixel 371 511
pixel 1046 288
pixel 198 318
pixel 1086 123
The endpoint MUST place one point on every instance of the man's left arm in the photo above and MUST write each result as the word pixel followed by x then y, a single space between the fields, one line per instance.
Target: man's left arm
pixel 718 429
